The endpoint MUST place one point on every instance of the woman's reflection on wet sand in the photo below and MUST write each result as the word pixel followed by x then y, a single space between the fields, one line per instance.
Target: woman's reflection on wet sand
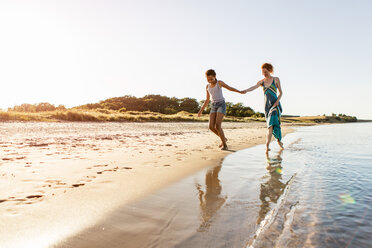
pixel 273 188
pixel 210 199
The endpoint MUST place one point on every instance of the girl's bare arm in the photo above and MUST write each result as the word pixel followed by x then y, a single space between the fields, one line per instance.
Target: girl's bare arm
pixel 229 87
pixel 205 103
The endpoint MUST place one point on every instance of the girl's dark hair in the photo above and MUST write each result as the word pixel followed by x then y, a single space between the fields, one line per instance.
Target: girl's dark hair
pixel 268 67
pixel 210 72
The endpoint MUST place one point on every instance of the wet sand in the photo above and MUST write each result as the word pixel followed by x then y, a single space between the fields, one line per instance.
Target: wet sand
pixel 58 179
pixel 228 205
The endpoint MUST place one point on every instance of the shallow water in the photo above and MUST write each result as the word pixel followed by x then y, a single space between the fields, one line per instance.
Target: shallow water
pixel 316 193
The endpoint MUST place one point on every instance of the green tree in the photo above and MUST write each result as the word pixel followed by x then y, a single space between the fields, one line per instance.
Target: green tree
pixel 44 106
pixel 190 105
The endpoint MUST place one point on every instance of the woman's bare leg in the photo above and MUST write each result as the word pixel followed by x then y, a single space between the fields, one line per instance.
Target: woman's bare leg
pixel 212 123
pixel 219 119
pixel 268 138
pixel 281 145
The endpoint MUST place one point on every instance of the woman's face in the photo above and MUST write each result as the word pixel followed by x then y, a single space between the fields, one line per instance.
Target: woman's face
pixel 211 79
pixel 265 72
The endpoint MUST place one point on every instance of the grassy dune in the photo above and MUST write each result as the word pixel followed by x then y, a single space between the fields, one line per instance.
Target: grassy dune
pixel 102 115
pixel 319 119
pixel 108 115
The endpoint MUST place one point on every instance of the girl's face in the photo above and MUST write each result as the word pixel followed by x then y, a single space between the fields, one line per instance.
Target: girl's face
pixel 211 79
pixel 265 72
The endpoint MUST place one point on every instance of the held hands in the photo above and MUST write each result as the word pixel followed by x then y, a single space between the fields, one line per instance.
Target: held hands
pixel 243 91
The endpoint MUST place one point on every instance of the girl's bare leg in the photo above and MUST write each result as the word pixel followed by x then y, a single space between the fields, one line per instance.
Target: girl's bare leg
pixel 219 119
pixel 268 138
pixel 221 145
pixel 212 123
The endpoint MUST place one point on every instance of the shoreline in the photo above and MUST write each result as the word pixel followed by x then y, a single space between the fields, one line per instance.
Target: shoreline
pixel 80 194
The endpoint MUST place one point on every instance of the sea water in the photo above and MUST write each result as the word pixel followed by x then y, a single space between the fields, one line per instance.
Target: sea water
pixel 328 201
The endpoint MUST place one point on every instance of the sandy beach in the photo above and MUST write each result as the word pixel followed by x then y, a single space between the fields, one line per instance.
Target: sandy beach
pixel 60 178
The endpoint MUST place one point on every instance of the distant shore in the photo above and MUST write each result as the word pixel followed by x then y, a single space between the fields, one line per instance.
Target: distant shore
pixel 150 108
pixel 106 115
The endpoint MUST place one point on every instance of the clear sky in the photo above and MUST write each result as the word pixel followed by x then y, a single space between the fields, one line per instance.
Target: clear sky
pixel 76 52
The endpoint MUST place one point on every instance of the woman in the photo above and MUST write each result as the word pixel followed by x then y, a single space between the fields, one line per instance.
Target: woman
pixel 273 109
pixel 218 107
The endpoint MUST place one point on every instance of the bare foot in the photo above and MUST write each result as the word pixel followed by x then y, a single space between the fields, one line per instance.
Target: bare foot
pixel 221 145
pixel 224 148
pixel 281 145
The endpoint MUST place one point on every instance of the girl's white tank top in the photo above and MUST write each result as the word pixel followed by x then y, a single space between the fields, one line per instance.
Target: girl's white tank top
pixel 216 93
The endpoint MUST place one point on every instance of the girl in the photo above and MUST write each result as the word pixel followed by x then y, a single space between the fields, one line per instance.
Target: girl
pixel 273 108
pixel 218 107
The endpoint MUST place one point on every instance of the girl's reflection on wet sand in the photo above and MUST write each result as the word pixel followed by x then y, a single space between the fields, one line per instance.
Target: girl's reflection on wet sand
pixel 210 199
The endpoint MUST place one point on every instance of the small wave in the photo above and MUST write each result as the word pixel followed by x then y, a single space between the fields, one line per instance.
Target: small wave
pixel 270 216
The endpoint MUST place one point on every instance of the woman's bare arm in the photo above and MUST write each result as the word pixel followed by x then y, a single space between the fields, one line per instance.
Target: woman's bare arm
pixel 277 82
pixel 258 84
pixel 205 103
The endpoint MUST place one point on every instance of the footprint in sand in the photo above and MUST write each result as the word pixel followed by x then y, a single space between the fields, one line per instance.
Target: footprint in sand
pixel 100 165
pixel 8 159
pixel 78 185
pixel 166 165
pixel 33 196
pixel 97 166
pixel 57 183
pixel 27 200
pixel 113 169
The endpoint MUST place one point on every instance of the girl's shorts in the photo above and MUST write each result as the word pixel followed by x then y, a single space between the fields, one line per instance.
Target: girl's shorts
pixel 218 107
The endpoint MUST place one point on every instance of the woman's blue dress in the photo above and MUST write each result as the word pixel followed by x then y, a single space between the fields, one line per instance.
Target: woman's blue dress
pixel 272 114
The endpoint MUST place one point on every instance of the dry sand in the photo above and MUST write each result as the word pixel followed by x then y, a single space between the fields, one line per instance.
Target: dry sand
pixel 59 178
